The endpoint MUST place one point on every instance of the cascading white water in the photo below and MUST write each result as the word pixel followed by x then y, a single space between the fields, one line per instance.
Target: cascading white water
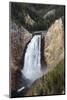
pixel 32 61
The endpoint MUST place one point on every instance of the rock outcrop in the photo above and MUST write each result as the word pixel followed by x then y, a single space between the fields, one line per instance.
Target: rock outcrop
pixel 49 14
pixel 54 44
pixel 29 20
pixel 19 37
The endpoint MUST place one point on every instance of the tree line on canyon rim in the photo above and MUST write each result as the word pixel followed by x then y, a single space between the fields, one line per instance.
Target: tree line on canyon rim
pixel 42 16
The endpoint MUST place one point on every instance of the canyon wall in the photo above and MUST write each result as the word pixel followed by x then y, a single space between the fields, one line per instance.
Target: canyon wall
pixel 53 51
pixel 54 44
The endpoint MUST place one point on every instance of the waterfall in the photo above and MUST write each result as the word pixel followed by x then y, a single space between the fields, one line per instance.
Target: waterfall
pixel 32 61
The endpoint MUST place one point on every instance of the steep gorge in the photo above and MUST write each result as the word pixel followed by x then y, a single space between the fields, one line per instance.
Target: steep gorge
pixel 53 49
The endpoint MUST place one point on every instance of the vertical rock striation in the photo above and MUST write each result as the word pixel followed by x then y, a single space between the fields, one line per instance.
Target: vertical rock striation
pixel 54 44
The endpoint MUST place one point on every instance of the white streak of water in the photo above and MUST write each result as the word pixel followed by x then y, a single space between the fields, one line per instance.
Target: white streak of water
pixel 21 89
pixel 32 60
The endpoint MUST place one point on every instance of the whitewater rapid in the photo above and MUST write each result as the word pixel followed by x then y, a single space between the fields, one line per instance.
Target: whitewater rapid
pixel 32 61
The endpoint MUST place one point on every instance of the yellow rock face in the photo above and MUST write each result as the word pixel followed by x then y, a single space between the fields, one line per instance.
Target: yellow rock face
pixel 54 44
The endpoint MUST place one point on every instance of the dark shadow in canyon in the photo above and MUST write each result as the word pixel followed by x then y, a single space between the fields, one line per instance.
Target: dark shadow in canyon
pixel 43 61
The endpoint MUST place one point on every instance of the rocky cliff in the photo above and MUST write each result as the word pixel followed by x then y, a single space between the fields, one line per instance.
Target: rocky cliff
pixel 19 37
pixel 54 44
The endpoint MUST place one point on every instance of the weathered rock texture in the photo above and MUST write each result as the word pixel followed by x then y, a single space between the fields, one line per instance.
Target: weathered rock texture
pixel 19 37
pixel 54 44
